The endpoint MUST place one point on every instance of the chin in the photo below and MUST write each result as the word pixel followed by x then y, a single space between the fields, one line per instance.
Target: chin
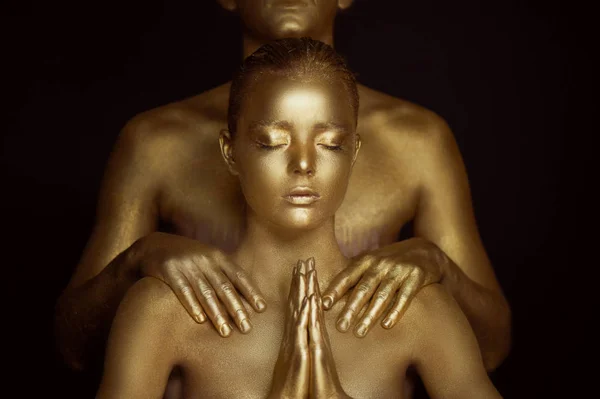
pixel 300 220
pixel 290 26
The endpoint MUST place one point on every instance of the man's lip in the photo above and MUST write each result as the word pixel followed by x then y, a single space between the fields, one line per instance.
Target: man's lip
pixel 289 5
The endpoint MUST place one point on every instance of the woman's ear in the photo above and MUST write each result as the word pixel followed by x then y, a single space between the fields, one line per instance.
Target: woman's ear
pixel 343 4
pixel 356 148
pixel 229 5
pixel 226 143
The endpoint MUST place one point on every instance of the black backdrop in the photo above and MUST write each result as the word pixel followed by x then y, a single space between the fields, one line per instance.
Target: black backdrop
pixel 500 73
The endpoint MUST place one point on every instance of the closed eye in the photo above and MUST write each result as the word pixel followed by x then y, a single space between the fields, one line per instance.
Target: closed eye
pixel 332 147
pixel 268 147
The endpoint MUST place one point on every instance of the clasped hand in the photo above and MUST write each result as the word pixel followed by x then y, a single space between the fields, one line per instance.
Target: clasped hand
pixel 305 367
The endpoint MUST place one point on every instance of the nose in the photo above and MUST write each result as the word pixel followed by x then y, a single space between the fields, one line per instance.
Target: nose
pixel 303 161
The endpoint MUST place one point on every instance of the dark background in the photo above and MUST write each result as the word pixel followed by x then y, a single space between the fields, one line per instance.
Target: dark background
pixel 501 73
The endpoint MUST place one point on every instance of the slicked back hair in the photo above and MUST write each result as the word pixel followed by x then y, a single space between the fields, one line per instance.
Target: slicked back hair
pixel 294 58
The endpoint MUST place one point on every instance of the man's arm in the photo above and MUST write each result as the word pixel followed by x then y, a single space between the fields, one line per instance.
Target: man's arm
pixel 446 352
pixel 445 217
pixel 446 249
pixel 125 246
pixel 126 211
pixel 141 350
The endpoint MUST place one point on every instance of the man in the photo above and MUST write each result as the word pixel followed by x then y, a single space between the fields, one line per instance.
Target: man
pixel 165 169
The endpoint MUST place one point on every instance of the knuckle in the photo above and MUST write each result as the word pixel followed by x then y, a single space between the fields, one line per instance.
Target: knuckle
pixel 417 271
pixel 369 258
pixel 184 289
pixel 199 260
pixel 363 287
pixel 240 275
pixel 208 293
pixel 169 265
pixel 226 287
pixel 382 295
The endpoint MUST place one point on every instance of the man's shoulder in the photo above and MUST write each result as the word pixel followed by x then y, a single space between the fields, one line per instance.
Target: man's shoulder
pixel 190 119
pixel 401 121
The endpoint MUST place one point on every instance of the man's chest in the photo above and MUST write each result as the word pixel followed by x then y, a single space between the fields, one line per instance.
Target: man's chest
pixel 204 201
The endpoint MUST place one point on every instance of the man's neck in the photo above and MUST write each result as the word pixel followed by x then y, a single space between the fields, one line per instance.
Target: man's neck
pixel 251 43
pixel 268 255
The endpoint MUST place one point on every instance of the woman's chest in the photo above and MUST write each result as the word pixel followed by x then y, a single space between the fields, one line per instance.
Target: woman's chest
pixel 242 366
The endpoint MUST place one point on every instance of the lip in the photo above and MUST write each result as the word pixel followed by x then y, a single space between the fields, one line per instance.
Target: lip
pixel 290 4
pixel 302 196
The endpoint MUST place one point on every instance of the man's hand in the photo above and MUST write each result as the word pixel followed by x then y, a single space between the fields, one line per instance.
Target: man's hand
pixel 201 276
pixel 402 268
pixel 305 367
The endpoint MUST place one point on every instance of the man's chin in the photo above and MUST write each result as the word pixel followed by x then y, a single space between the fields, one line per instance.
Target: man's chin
pixel 290 26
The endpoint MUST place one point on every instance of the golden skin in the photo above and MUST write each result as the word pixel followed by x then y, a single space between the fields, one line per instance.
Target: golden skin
pixel 165 168
pixel 295 350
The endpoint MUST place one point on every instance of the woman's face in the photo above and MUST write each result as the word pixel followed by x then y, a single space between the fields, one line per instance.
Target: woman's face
pixel 294 149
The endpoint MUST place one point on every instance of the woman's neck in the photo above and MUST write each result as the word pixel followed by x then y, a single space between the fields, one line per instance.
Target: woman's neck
pixel 268 254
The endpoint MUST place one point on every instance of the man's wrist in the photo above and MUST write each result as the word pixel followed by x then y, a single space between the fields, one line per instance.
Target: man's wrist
pixel 450 272
pixel 127 265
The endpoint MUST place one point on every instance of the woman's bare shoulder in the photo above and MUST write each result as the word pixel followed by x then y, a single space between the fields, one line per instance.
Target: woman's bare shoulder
pixel 152 300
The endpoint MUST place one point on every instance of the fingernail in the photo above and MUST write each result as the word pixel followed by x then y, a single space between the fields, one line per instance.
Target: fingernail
pixel 261 305
pixel 387 323
pixel 311 263
pixel 361 330
pixel 200 318
pixel 245 325
pixel 343 325
pixel 225 329
pixel 327 302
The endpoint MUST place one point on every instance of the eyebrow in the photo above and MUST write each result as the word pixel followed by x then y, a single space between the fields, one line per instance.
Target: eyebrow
pixel 269 123
pixel 285 125
pixel 332 126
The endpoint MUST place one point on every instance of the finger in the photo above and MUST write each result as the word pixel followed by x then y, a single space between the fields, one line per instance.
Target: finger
pixel 212 307
pixel 361 293
pixel 301 284
pixel 182 288
pixel 301 335
pixel 304 310
pixel 244 284
pixel 310 283
pixel 380 301
pixel 314 325
pixel 293 294
pixel 347 278
pixel 407 292
pixel 229 297
pixel 316 289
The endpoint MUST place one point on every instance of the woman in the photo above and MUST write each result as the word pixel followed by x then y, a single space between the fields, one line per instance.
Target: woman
pixel 292 143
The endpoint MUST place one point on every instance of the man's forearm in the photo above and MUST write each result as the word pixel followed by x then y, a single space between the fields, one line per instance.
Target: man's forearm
pixel 488 313
pixel 84 313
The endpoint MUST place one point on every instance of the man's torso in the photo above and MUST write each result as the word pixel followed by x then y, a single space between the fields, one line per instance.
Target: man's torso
pixel 200 199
